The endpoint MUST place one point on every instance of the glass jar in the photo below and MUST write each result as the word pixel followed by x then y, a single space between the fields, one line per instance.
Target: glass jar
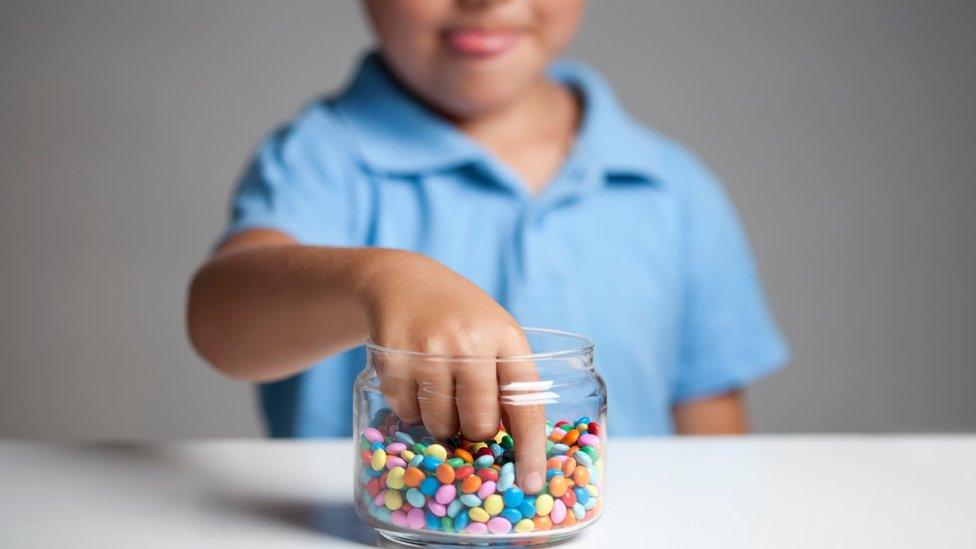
pixel 415 489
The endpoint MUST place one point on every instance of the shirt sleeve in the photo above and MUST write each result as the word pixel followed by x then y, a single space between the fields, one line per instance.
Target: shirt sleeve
pixel 728 335
pixel 286 187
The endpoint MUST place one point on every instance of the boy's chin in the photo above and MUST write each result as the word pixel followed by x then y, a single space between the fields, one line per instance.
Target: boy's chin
pixel 473 98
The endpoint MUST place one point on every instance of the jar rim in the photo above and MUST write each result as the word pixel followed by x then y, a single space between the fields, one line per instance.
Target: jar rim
pixel 584 345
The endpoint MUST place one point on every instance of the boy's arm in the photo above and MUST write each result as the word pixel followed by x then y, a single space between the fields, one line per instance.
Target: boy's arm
pixel 723 414
pixel 265 307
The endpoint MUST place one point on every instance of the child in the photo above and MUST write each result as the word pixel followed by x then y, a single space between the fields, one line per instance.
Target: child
pixel 462 186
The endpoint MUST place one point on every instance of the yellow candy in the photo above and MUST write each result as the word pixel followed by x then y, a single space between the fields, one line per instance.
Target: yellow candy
pixel 393 500
pixel 477 446
pixel 407 455
pixel 478 514
pixel 378 460
pixel 437 451
pixel 524 525
pixel 494 504
pixel 592 490
pixel 543 505
pixel 394 479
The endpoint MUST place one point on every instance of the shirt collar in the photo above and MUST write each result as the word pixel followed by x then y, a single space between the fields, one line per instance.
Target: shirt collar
pixel 394 133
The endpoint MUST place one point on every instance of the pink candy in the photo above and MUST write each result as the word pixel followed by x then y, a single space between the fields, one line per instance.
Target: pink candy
pixel 558 513
pixel 415 519
pixel 394 461
pixel 380 499
pixel 476 528
pixel 372 435
pixel 399 518
pixel 589 440
pixel 437 508
pixel 445 494
pixel 498 525
pixel 395 447
pixel 487 489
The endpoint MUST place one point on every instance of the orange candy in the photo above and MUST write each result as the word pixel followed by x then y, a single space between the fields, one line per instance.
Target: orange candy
pixel 465 455
pixel 553 463
pixel 571 437
pixel 569 466
pixel 542 523
pixel 413 477
pixel 572 450
pixel 445 473
pixel 555 436
pixel 558 486
pixel 569 520
pixel 581 476
pixel 471 484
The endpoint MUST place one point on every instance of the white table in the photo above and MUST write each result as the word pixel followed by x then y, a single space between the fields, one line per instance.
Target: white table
pixel 820 492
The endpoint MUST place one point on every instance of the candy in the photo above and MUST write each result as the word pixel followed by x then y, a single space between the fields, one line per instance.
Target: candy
pixel 394 479
pixel 494 504
pixel 513 497
pixel 471 484
pixel 409 479
pixel 445 494
pixel 499 525
pixel 478 514
pixel 445 473
pixel 558 486
pixel 378 459
pixel 372 435
pixel 558 513
pixel 393 499
pixel 543 504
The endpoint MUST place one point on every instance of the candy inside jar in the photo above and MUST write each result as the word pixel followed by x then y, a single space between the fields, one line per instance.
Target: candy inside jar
pixel 415 488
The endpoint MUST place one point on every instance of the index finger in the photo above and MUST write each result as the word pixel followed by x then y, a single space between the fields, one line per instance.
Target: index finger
pixel 519 392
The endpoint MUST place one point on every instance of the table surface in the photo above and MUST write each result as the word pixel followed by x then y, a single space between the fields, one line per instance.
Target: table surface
pixel 793 491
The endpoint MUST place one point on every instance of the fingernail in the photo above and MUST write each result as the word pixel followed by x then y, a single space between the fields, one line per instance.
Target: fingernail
pixel 532 482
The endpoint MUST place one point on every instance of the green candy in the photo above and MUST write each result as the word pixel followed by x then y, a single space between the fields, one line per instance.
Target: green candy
pixel 549 444
pixel 419 448
pixel 592 452
pixel 447 524
pixel 507 442
pixel 455 462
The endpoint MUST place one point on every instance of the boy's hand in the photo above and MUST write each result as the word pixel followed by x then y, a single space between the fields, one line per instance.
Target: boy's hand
pixel 416 304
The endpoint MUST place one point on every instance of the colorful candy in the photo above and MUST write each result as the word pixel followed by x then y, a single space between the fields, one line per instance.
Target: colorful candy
pixel 413 481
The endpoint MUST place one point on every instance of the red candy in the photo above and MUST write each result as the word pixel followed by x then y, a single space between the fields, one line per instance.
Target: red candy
pixel 594 428
pixel 569 498
pixel 373 487
pixel 463 472
pixel 488 474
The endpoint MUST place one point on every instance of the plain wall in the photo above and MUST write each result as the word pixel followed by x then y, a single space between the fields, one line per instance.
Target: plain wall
pixel 843 130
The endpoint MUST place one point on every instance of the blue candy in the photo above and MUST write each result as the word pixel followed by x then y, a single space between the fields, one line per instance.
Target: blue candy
pixel 511 515
pixel 433 521
pixel 513 497
pixel 582 495
pixel 553 473
pixel 470 500
pixel 429 487
pixel 484 462
pixel 415 497
pixel 430 463
pixel 527 507
pixel 460 521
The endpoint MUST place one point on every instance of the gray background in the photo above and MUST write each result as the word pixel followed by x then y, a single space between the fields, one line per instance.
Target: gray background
pixel 844 131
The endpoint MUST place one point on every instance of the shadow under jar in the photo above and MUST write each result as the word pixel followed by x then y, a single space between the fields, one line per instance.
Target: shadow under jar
pixel 416 489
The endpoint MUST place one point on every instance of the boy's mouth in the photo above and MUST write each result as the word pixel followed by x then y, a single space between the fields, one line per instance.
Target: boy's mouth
pixel 475 42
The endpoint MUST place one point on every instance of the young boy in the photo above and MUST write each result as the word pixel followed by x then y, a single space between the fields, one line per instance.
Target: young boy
pixel 465 185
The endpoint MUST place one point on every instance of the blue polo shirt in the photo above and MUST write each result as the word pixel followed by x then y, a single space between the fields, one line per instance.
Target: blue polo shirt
pixel 634 243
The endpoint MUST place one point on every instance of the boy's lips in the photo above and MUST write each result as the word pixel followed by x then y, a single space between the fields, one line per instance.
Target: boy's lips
pixel 474 42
